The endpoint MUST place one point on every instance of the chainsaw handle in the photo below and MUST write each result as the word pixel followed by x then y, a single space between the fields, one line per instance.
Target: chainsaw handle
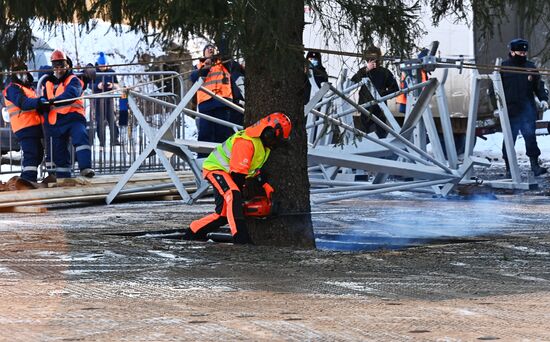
pixel 268 190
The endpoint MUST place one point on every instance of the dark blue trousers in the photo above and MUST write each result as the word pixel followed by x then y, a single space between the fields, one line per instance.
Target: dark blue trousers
pixel 213 132
pixel 60 133
pixel 33 153
pixel 525 122
pixel 105 115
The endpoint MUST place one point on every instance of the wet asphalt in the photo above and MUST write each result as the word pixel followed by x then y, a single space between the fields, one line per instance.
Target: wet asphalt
pixel 442 248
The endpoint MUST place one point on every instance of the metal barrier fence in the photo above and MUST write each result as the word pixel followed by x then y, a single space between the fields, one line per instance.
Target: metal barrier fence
pixel 115 137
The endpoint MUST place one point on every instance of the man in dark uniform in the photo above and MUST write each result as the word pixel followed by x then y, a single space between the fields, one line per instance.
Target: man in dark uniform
pixel 383 81
pixel 66 119
pixel 316 69
pixel 520 90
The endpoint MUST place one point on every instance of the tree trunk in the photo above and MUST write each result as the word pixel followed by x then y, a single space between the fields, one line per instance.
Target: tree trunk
pixel 275 82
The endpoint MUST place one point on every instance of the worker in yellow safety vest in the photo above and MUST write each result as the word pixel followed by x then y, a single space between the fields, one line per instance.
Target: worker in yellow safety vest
pixel 230 164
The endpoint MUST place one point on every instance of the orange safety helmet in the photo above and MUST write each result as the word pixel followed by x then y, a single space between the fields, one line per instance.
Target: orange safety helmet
pixel 58 55
pixel 278 121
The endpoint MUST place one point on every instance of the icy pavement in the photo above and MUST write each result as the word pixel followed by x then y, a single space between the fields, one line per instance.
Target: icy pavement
pixel 480 271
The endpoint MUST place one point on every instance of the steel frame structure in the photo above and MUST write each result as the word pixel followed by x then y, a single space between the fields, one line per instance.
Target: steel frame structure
pixel 161 142
pixel 399 162
pixel 402 154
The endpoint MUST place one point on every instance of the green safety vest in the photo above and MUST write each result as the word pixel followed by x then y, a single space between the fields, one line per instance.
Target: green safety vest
pixel 219 158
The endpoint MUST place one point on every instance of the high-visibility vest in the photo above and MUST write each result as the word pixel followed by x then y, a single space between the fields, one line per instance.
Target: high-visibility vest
pixel 402 99
pixel 75 107
pixel 218 81
pixel 219 158
pixel 20 118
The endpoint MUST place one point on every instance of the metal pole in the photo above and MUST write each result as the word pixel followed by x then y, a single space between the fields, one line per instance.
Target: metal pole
pixel 153 187
pixel 363 187
pixel 392 132
pixel 223 100
pixel 381 142
pixel 445 120
pixel 189 111
pixel 373 102
pixel 379 191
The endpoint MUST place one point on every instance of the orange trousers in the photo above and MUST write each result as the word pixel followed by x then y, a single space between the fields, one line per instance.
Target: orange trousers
pixel 229 206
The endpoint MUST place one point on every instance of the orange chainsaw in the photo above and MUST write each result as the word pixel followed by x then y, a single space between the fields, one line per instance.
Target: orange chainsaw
pixel 259 206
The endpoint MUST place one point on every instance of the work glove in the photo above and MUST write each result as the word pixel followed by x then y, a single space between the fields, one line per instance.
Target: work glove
pixel 44 103
pixel 204 72
pixel 239 179
pixel 544 105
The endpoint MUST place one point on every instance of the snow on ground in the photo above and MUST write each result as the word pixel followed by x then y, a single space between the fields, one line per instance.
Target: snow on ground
pixel 492 147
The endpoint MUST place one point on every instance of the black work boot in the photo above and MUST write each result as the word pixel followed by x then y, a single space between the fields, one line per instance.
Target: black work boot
pixel 242 236
pixel 88 173
pixel 187 234
pixel 536 168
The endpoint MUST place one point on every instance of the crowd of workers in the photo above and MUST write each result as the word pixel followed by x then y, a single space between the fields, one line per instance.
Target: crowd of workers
pixel 46 124
pixel 59 115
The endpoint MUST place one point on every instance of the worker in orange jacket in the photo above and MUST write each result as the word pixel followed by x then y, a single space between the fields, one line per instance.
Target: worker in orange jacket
pixel 421 76
pixel 23 107
pixel 66 118
pixel 220 76
pixel 230 164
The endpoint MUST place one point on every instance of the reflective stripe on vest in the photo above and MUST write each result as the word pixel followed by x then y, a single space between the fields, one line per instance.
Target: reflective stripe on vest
pixel 30 168
pixel 218 81
pixel 76 107
pixel 219 158
pixel 19 118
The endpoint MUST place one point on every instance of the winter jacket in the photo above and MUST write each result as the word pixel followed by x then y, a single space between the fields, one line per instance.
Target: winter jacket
pixel 22 104
pixel 104 79
pixel 72 88
pixel 320 75
pixel 381 78
pixel 520 89
pixel 240 154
